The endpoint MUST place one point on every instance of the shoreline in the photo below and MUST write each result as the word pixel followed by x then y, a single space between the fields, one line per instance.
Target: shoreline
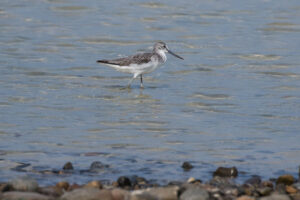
pixel 221 186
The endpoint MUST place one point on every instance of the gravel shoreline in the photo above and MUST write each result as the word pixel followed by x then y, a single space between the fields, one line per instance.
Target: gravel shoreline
pixel 222 186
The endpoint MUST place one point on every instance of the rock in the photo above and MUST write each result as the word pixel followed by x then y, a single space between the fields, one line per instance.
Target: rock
pixel 285 179
pixel 255 180
pixel 264 191
pixel 124 181
pixel 87 194
pixel 98 166
pixel 63 185
pixel 245 197
pixel 276 196
pixel 68 166
pixel 142 196
pixel 226 172
pixel 74 186
pixel 94 184
pixel 267 184
pixel 51 191
pixel 290 189
pixel 161 193
pixel 280 188
pixel 5 187
pixel 16 195
pixel 187 166
pixel 165 193
pixel 25 183
pixel 222 182
pixel 296 196
pixel 119 194
pixel 194 193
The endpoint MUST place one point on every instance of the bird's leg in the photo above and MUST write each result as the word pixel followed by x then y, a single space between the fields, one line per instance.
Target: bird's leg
pixel 142 86
pixel 129 83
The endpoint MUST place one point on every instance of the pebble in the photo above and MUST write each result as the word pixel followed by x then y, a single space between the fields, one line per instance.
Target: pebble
pixel 25 183
pixel 275 196
pixel 226 172
pixel 94 184
pixel 16 195
pixel 51 191
pixel 254 180
pixel 87 194
pixel 194 193
pixel 285 179
pixel 187 166
pixel 264 191
pixel 245 197
pixel 164 193
pixel 5 187
pixel 120 194
pixel 124 181
pixel 63 185
pixel 290 189
pixel 68 166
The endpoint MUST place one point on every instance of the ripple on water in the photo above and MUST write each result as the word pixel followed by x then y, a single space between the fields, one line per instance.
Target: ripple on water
pixel 259 57
pixel 280 74
pixel 281 27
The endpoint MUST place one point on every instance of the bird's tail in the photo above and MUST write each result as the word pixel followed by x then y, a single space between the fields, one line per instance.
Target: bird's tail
pixel 103 61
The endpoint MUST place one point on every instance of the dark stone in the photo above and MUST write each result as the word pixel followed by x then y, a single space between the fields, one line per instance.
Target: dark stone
pixel 98 166
pixel 68 166
pixel 124 181
pixel 285 179
pixel 5 187
pixel 187 166
pixel 226 172
pixel 254 180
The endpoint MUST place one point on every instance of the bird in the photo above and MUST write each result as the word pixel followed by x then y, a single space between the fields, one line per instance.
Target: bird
pixel 142 63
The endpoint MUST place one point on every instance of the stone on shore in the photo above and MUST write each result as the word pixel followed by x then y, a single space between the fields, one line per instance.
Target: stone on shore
pixel 245 197
pixel 25 183
pixel 94 184
pixel 276 196
pixel 124 181
pixel 161 193
pixel 98 166
pixel 63 185
pixel 285 179
pixel 16 195
pixel 87 194
pixel 193 192
pixel 226 172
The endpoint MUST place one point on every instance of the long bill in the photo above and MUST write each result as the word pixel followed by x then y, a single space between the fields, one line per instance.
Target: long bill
pixel 169 51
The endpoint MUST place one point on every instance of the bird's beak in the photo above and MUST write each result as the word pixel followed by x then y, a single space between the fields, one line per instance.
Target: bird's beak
pixel 169 51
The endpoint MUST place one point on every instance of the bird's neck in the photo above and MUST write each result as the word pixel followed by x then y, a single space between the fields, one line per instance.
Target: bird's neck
pixel 162 54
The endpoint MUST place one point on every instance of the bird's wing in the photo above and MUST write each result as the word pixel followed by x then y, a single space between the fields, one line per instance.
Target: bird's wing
pixel 135 59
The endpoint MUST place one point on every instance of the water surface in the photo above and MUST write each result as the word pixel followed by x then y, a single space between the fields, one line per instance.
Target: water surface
pixel 233 101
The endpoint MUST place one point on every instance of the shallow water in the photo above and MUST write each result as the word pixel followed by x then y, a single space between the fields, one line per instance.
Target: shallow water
pixel 233 101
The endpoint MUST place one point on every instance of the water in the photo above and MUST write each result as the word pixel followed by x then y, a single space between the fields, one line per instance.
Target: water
pixel 233 101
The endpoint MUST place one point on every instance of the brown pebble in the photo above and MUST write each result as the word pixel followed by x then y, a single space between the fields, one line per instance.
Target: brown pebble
pixel 115 184
pixel 94 184
pixel 285 179
pixel 245 197
pixel 290 189
pixel 74 186
pixel 267 184
pixel 63 184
